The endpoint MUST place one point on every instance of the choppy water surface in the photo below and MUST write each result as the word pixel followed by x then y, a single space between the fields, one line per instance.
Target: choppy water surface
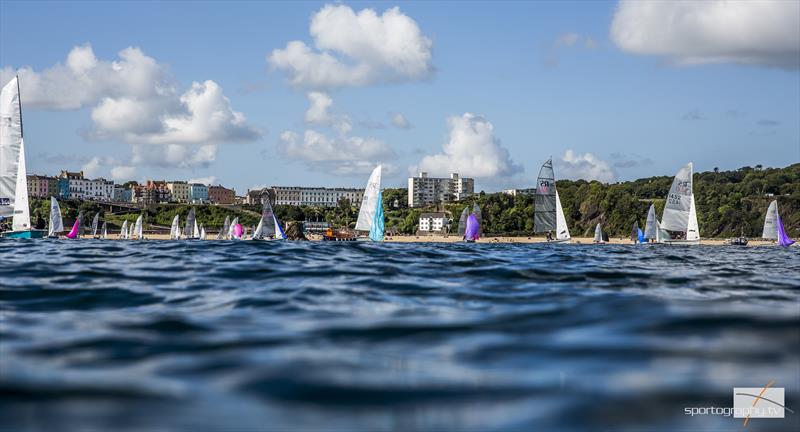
pixel 164 335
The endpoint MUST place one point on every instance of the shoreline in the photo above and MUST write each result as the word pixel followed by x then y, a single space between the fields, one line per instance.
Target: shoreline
pixel 490 239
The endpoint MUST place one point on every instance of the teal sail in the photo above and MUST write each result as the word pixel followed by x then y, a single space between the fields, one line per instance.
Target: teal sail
pixel 376 232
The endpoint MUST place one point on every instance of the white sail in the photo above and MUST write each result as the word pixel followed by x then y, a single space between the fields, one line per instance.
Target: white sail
pixel 11 149
pixel 137 230
pixel 279 234
pixel 562 231
pixel 104 230
pixel 598 234
pixel 369 203
pixel 190 231
pixel 651 226
pixel 677 207
pixel 771 222
pixel 130 232
pixel 56 224
pixel 123 233
pixel 22 215
pixel 259 229
pixel 232 227
pixel 175 229
pixel 202 232
pixel 95 222
pixel 692 230
pixel 196 230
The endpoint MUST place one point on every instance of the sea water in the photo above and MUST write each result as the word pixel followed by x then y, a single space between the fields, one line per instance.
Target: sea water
pixel 212 335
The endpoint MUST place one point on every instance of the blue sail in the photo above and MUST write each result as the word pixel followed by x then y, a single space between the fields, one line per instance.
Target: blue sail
pixel 376 232
pixel 642 239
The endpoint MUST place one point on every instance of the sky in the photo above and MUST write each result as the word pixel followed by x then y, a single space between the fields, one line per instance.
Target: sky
pixel 254 94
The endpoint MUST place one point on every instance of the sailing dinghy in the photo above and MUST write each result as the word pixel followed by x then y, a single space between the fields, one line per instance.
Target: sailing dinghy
pixel 679 219
pixel 56 224
pixel 13 173
pixel 137 229
pixel 95 222
pixel 548 214
pixel 773 226
pixel 370 216
pixel 75 233
pixel 104 235
pixel 599 236
pixel 472 230
pixel 190 230
pixel 268 227
pixel 123 233
pixel 462 222
pixel 175 229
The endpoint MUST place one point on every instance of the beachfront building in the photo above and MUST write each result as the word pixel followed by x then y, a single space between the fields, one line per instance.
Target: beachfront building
pixel 122 194
pixel 152 192
pixel 42 186
pixel 424 190
pixel 88 189
pixel 221 195
pixel 198 193
pixel 432 223
pixel 315 196
pixel 179 191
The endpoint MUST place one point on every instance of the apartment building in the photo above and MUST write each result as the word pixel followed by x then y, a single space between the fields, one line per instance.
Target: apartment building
pixel 424 190
pixel 179 191
pixel 198 193
pixel 315 196
pixel 221 195
pixel 432 222
pixel 82 188
pixel 42 186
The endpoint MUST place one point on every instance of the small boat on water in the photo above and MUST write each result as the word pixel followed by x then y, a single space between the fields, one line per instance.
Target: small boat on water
pixel 123 232
pixel 773 226
pixel 175 229
pixel 56 224
pixel 370 216
pixel 95 223
pixel 224 233
pixel 472 229
pixel 104 230
pixel 679 219
pixel 268 226
pixel 637 236
pixel 138 229
pixel 75 233
pixel 548 214
pixel 599 236
pixel 13 173
pixel 191 231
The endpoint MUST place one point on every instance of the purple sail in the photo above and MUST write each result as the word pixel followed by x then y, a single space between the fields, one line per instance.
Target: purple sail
pixel 473 228
pixel 783 239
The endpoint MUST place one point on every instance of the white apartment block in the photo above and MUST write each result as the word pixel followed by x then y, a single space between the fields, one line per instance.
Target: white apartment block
pixel 424 190
pixel 95 190
pixel 432 222
pixel 179 190
pixel 313 196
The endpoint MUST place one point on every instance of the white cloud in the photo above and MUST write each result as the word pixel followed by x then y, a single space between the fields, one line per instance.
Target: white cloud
pixel 174 155
pixel 337 155
pixel 123 173
pixel 92 168
pixel 136 100
pixel 584 166
pixel 472 151
pixel 210 180
pixel 318 108
pixel 713 31
pixel 400 121
pixel 356 49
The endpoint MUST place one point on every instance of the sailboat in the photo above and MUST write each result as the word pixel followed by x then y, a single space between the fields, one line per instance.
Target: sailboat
pixel 95 222
pixel 13 173
pixel 175 230
pixel 548 214
pixel 462 221
pixel 599 236
pixel 236 231
pixel 472 230
pixel 773 226
pixel 123 233
pixel 56 224
pixel 202 232
pixel 104 230
pixel 137 229
pixel 370 216
pixel 268 226
pixel 224 233
pixel 679 219
pixel 75 233
pixel 190 230
pixel 652 228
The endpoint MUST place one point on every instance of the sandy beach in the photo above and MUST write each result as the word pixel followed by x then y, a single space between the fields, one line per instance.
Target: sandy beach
pixel 490 239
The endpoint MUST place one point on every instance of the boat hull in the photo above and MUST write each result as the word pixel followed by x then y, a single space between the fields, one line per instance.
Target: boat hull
pixel 559 241
pixel 26 234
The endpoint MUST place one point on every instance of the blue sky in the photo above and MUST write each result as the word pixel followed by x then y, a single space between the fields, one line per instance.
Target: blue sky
pixel 508 83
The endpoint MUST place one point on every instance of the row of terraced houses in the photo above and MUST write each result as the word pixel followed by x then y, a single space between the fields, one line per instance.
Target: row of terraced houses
pixel 74 185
